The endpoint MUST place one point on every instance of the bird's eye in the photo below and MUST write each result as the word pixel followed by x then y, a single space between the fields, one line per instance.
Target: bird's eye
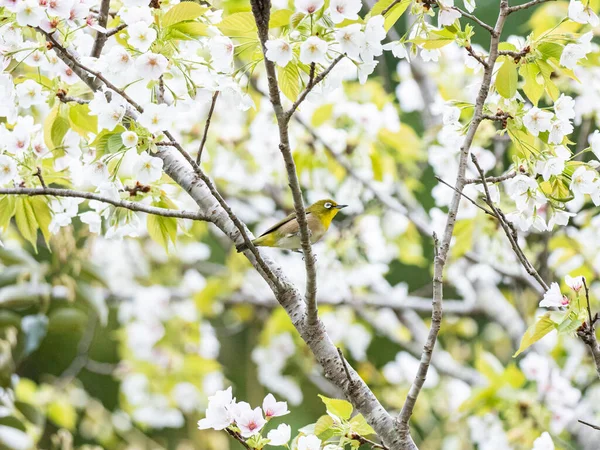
pixel 327 205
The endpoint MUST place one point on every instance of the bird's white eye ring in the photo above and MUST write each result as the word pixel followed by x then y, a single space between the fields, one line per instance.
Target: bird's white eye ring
pixel 327 205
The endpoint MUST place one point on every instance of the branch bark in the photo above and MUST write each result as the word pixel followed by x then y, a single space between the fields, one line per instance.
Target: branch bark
pixel 261 9
pixel 126 204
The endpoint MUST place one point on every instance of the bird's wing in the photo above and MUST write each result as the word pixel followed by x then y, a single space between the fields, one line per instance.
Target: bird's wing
pixel 289 225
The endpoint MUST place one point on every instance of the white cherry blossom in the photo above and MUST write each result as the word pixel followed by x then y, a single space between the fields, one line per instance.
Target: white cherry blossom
pixel 148 169
pixel 313 50
pixel 279 51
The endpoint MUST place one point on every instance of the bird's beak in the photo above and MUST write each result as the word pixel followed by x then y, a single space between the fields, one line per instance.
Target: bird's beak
pixel 341 206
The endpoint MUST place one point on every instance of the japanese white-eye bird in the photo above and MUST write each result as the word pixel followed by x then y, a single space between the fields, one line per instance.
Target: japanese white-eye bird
pixel 286 233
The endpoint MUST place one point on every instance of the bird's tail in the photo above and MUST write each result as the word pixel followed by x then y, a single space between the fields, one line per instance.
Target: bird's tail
pixel 242 248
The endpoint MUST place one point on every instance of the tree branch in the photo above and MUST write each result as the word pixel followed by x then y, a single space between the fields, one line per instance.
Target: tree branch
pixel 475 19
pixel 261 9
pixel 133 206
pixel 101 37
pixel 207 126
pixel 436 323
pixel 527 5
pixel 508 229
pixel 444 247
pixel 313 81
pixel 82 71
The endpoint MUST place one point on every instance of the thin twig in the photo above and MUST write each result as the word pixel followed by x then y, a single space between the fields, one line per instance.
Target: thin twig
pixel 476 20
pixel 595 427
pixel 261 11
pixel 508 230
pixel 425 362
pixel 309 87
pixel 64 98
pixel 587 297
pixel 492 180
pixel 206 126
pixel 444 246
pixel 465 196
pixel 38 174
pixel 364 441
pixel 133 206
pixel 515 8
pixel 417 217
pixel 238 438
pixel 81 358
pixel 469 49
pixel 115 30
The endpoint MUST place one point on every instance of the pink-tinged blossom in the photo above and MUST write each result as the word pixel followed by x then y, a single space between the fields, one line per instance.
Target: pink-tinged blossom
pixel 553 297
pixel 537 120
pixel 273 408
pixel 313 50
pixel 575 283
pixel 279 51
pixel 308 6
pixel 250 422
pixel 351 40
pixel 344 9
pixel 150 66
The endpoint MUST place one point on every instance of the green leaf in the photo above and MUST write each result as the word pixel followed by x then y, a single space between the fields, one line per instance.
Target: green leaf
pixel 296 19
pixel 63 414
pixel 546 70
pixel 289 78
pixel 55 128
pixel 162 229
pixel 238 23
pixel 26 221
pixel 359 425
pixel 182 12
pixel 280 18
pixel 114 143
pixel 395 13
pixel 43 216
pixel 337 407
pixel 533 90
pixel 81 121
pixel 507 78
pixel 188 30
pixel 550 50
pixel 321 115
pixel 536 332
pixel 436 39
pixel 7 210
pixel 323 427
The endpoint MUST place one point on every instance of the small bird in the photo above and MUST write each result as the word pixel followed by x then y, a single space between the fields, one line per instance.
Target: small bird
pixel 286 233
